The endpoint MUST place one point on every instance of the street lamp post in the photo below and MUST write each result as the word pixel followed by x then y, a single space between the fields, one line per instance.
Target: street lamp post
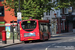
pixel 13 31
pixel 19 5
pixel 70 24
pixel 19 18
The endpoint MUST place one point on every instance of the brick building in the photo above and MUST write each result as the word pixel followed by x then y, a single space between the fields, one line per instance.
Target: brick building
pixel 6 16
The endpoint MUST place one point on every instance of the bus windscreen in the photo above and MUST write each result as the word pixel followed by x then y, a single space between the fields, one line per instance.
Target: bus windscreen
pixel 26 25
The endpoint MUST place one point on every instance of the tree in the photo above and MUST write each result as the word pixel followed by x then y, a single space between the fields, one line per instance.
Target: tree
pixel 29 8
pixel 65 3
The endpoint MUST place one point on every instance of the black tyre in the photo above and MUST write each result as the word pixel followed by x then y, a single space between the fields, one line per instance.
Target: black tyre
pixel 43 38
pixel 26 41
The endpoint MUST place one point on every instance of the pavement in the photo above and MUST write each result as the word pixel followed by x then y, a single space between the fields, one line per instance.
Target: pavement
pixel 16 41
pixel 61 34
pixel 9 42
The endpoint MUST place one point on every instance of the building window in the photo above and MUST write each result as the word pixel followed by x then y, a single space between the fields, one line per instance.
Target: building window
pixel 73 9
pixel 66 10
pixel 61 11
pixel 1 0
pixel 57 14
pixel 1 10
pixel 48 13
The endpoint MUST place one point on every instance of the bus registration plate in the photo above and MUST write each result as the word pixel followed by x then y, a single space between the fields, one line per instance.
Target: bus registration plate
pixel 30 39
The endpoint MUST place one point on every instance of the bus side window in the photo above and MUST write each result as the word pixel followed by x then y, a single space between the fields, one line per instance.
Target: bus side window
pixel 41 27
pixel 45 28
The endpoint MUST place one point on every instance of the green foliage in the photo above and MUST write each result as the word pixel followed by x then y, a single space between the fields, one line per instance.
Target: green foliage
pixel 29 8
pixel 25 18
pixel 65 4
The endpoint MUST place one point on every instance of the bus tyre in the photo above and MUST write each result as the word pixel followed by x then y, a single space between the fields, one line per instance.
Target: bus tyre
pixel 43 38
pixel 48 37
pixel 26 41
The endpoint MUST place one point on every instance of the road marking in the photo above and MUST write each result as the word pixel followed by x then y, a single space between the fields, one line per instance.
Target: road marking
pixel 46 49
pixel 58 43
pixel 69 47
pixel 74 38
pixel 49 46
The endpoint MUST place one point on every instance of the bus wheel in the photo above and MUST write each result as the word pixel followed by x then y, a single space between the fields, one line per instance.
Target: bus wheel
pixel 33 41
pixel 48 37
pixel 26 41
pixel 43 38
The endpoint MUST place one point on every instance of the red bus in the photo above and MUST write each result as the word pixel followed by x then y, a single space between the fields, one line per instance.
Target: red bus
pixel 34 29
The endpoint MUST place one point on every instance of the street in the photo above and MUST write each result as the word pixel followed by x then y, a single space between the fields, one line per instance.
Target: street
pixel 65 42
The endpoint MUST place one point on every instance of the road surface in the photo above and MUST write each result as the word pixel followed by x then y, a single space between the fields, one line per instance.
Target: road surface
pixel 65 42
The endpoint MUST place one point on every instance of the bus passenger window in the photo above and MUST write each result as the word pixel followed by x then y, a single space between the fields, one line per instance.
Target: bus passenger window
pixel 41 27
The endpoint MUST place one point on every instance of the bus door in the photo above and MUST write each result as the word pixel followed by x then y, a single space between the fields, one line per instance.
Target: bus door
pixel 44 29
